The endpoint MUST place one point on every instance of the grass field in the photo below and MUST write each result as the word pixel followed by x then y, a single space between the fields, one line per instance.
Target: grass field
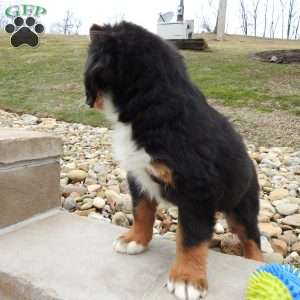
pixel 48 80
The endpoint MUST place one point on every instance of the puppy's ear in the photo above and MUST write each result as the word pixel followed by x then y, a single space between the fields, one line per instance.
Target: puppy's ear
pixel 95 30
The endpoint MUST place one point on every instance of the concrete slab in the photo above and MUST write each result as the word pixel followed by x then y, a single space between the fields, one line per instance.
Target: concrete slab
pixel 29 174
pixel 22 145
pixel 28 190
pixel 64 257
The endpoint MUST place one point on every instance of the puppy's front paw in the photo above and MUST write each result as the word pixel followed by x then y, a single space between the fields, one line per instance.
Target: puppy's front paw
pixel 187 282
pixel 128 247
pixel 184 290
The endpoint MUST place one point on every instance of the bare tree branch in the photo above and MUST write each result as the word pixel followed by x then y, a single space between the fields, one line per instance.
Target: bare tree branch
pixel 291 14
pixel 274 23
pixel 255 15
pixel 69 25
pixel 244 16
pixel 297 28
pixel 283 4
pixel 265 18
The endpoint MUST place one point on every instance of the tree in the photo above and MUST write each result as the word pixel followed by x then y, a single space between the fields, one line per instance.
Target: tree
pixel 255 9
pixel 297 28
pixel 283 4
pixel 205 24
pixel 69 25
pixel 266 17
pixel 244 16
pixel 291 14
pixel 274 23
pixel 77 25
pixel 221 19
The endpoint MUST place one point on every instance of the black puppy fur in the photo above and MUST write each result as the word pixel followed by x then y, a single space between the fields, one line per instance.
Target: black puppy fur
pixel 172 121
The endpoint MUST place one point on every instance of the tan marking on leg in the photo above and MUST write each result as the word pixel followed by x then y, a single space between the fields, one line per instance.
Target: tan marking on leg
pixel 250 248
pixel 161 172
pixel 98 104
pixel 191 263
pixel 142 228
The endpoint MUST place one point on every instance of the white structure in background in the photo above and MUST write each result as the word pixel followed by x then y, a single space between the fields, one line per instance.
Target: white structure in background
pixel 176 31
pixel 170 29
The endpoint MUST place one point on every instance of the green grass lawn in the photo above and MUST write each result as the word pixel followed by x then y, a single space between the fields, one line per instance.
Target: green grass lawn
pixel 48 80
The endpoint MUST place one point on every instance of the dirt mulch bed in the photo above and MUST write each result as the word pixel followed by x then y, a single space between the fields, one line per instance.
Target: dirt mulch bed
pixel 277 128
pixel 279 56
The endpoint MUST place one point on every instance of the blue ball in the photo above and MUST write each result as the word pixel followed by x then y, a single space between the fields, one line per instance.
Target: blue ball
pixel 288 275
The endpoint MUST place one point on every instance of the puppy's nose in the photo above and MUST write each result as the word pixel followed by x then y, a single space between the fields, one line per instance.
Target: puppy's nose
pixel 89 101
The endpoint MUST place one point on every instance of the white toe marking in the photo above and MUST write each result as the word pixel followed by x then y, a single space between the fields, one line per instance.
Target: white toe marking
pixel 194 293
pixel 170 286
pixel 134 248
pixel 180 290
pixel 128 248
pixel 185 291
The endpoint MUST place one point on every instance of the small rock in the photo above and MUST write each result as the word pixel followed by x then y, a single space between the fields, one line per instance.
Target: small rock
pixel 264 218
pixel 287 209
pixel 293 220
pixel 100 169
pixel 29 119
pixel 124 203
pixel 270 258
pixel 94 188
pixel 173 212
pixel 173 228
pixel 265 245
pixel 274 59
pixel 230 244
pixel 279 246
pixel 296 247
pixel 266 206
pixel 70 188
pixel 87 205
pixel 289 237
pixel 84 166
pixel 124 188
pixel 119 218
pixel 69 204
pixel 170 236
pixel 278 194
pixel 77 175
pixel 219 229
pixel 293 259
pixel 99 203
pixel 85 213
pixel 215 241
pixel 270 229
pixel 130 218
pixel 115 188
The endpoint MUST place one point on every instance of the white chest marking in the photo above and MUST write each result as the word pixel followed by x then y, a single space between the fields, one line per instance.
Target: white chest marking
pixel 126 152
pixel 134 160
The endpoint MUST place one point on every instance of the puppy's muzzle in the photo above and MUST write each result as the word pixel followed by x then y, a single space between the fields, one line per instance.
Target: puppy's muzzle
pixel 97 103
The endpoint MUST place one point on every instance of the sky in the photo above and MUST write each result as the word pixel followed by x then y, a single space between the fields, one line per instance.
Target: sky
pixel 145 13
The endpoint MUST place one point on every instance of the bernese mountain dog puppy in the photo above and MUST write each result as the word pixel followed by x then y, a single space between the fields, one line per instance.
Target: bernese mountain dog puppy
pixel 174 146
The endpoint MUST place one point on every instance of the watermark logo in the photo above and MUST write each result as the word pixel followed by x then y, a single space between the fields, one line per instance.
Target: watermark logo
pixel 25 29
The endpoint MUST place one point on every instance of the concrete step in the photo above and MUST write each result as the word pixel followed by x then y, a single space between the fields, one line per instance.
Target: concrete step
pixel 29 174
pixel 66 257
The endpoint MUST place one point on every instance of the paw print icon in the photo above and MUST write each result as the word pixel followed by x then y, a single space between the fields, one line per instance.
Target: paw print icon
pixel 24 32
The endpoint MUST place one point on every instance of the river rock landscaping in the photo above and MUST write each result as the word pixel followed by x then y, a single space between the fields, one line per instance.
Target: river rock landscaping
pixel 93 186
